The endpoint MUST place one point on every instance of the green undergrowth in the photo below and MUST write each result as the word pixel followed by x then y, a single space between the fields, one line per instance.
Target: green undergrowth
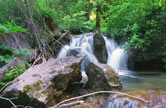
pixel 7 54
pixel 12 74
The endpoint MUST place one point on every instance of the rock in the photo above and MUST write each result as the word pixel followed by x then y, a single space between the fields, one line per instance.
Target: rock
pixel 100 50
pixel 42 84
pixel 7 67
pixel 102 77
pixel 74 51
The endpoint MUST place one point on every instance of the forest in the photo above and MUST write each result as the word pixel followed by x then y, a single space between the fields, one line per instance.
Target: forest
pixel 82 53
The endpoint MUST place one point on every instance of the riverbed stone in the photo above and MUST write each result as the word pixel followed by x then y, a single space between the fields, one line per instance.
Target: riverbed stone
pixel 102 77
pixel 100 50
pixel 74 51
pixel 42 84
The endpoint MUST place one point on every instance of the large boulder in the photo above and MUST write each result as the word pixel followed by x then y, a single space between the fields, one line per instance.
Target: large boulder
pixel 100 50
pixel 42 84
pixel 102 77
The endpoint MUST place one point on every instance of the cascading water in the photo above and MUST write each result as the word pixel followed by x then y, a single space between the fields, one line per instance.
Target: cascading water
pixel 83 44
pixel 118 101
pixel 117 56
pixel 63 51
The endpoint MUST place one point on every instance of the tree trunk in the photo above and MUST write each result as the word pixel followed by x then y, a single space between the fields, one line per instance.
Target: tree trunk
pixel 36 33
pixel 98 10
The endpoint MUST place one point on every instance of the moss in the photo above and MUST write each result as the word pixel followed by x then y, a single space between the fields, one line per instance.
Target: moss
pixel 37 86
pixel 37 95
pixel 112 77
pixel 11 74
pixel 27 88
pixel 45 92
pixel 60 72
pixel 90 82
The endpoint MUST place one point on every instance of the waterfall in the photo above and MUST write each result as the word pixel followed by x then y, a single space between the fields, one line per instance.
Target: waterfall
pixel 63 51
pixel 83 44
pixel 117 56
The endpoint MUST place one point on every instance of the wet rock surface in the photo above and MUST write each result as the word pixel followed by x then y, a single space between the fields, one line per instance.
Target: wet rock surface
pixel 40 85
pixel 102 77
pixel 100 50
pixel 74 51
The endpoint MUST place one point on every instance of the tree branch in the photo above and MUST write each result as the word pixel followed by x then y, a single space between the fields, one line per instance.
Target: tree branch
pixel 100 92
pixel 3 98
pixel 33 26
pixel 5 86
pixel 71 104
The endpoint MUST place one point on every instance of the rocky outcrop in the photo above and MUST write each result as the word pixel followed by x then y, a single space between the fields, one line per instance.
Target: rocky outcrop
pixel 4 69
pixel 102 77
pixel 100 50
pixel 41 85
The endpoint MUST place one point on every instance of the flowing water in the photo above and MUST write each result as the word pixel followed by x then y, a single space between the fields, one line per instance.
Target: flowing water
pixel 84 44
pixel 117 56
pixel 63 51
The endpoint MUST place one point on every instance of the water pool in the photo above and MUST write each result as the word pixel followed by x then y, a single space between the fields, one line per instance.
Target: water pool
pixel 148 81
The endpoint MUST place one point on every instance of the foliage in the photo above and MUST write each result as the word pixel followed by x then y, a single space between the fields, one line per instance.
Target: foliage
pixel 8 54
pixel 77 21
pixel 70 15
pixel 10 11
pixel 12 74
pixel 11 27
pixel 141 23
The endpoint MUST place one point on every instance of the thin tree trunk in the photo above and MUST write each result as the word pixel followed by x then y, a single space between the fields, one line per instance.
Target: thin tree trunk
pixel 36 33
pixel 98 10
